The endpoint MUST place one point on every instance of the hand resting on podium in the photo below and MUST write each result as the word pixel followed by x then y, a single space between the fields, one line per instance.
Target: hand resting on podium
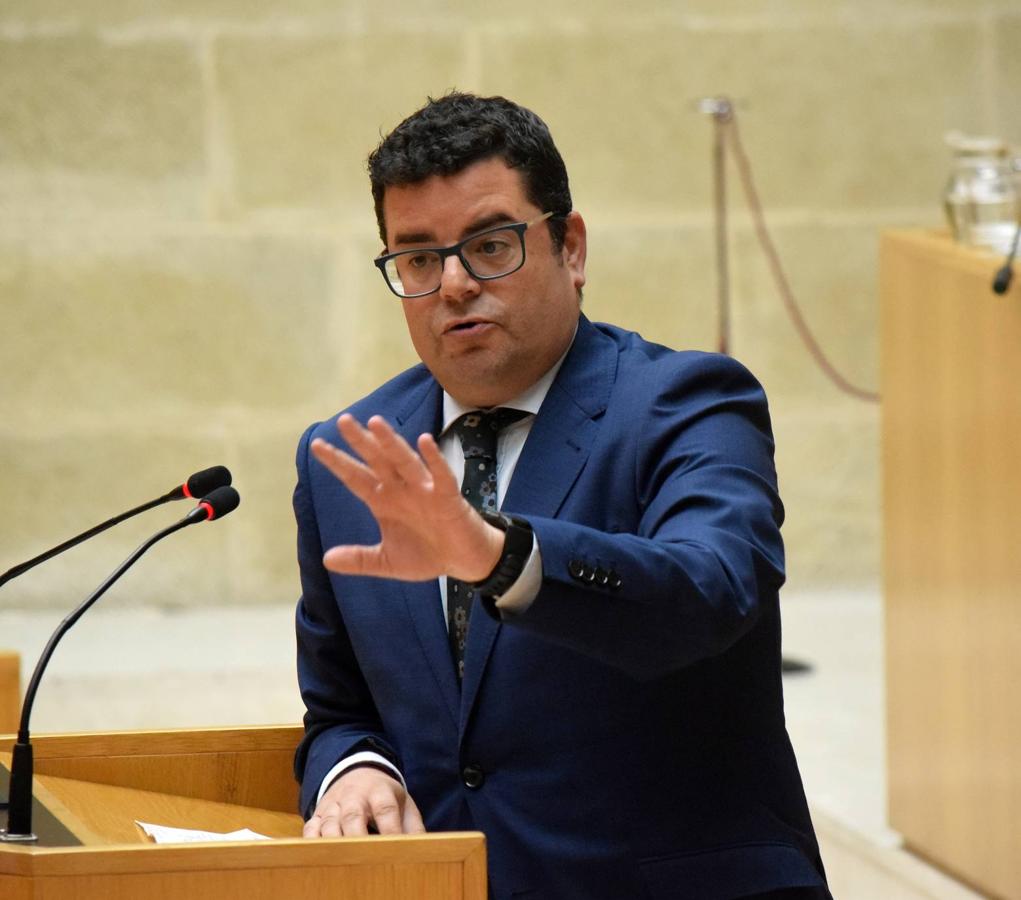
pixel 361 799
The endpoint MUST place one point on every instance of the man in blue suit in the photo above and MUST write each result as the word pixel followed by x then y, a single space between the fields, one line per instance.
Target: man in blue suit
pixel 565 634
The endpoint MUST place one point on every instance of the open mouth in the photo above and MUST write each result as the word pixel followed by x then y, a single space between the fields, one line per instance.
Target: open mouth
pixel 466 326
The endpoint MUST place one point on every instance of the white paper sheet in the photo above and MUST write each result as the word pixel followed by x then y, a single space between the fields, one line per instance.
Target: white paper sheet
pixel 163 834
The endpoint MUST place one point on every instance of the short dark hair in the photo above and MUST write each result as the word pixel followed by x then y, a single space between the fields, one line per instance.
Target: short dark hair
pixel 449 134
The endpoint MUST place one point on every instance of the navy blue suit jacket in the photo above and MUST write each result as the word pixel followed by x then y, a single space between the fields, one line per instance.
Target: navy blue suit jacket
pixel 628 729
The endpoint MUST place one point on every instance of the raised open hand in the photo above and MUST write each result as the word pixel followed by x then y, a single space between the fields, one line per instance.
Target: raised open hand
pixel 427 528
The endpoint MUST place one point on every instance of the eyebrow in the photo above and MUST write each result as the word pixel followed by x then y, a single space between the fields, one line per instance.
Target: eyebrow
pixel 481 224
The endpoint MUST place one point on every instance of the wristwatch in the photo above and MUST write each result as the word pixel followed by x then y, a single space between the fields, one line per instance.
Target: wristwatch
pixel 517 546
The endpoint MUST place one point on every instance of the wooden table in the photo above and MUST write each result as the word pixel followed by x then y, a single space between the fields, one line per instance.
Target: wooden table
pixel 951 369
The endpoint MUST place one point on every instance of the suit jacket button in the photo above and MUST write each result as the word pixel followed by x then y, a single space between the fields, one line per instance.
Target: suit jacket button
pixel 473 777
pixel 615 581
pixel 577 569
pixel 602 577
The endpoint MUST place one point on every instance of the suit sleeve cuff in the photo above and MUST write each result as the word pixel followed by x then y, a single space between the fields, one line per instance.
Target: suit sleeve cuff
pixel 363 757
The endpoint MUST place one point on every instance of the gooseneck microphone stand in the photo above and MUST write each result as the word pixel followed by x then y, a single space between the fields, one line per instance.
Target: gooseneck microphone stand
pixel 1002 279
pixel 19 805
pixel 198 485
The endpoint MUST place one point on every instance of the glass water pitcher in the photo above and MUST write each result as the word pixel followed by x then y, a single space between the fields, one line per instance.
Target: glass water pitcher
pixel 982 196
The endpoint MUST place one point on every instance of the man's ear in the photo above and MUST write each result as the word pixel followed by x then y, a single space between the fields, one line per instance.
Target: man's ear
pixel 575 248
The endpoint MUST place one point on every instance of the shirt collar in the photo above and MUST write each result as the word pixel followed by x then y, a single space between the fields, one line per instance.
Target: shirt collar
pixel 529 400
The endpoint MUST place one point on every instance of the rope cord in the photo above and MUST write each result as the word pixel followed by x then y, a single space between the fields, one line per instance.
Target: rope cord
pixel 730 129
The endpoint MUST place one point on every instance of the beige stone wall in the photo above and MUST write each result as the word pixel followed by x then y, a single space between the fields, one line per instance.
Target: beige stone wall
pixel 186 234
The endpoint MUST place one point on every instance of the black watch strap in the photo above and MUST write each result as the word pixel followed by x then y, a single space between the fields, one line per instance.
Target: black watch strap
pixel 517 546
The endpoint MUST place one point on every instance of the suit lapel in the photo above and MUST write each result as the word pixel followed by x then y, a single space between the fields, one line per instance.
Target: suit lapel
pixel 553 456
pixel 566 426
pixel 423 413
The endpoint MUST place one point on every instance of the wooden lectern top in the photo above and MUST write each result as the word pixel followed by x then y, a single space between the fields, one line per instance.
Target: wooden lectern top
pixel 218 780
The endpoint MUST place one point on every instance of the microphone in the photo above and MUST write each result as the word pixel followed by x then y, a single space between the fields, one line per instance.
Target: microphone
pixel 215 505
pixel 202 483
pixel 198 485
pixel 1001 282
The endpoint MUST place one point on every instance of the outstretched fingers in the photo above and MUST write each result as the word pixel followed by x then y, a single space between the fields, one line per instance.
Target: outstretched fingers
pixel 404 462
pixel 391 478
pixel 387 464
pixel 439 471
pixel 366 444
pixel 356 476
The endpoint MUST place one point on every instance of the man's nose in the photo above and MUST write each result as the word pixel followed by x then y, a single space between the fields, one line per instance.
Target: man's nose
pixel 456 282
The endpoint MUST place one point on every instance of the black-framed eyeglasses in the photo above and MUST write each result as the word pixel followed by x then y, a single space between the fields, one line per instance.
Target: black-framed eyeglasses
pixel 490 254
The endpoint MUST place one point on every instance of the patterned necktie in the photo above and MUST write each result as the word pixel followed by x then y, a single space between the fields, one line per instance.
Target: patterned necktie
pixel 478 432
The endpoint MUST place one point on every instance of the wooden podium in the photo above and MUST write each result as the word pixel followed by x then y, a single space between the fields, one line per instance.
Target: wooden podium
pixel 10 691
pixel 951 357
pixel 96 785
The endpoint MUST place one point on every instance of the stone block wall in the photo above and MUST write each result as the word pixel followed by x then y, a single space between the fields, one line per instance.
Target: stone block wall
pixel 186 235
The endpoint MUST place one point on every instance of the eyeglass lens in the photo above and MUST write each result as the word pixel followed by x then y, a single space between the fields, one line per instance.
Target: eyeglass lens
pixel 488 255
